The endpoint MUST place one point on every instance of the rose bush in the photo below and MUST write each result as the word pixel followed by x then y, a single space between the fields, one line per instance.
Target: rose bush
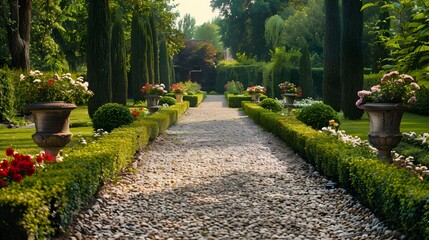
pixel 288 87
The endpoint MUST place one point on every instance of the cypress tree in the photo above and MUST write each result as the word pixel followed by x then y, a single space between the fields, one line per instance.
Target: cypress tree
pixel 305 78
pixel 139 73
pixel 98 63
pixel 150 50
pixel 351 69
pixel 156 46
pixel 119 71
pixel 331 63
pixel 164 62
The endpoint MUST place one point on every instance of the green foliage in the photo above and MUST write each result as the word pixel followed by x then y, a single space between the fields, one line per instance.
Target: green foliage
pixel 274 29
pixel 111 116
pixel 371 79
pixel 318 115
pixel 235 101
pixel 305 77
pixel 422 104
pixel 195 99
pixel 119 63
pixel 209 32
pixel 393 193
pixel 271 104
pixel 187 26
pixel 7 96
pixel 167 100
pixel 139 73
pixel 249 75
pixel 98 64
pixel 234 87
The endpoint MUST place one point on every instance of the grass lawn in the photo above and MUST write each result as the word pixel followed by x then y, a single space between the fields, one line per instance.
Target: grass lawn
pixel 410 123
pixel 20 138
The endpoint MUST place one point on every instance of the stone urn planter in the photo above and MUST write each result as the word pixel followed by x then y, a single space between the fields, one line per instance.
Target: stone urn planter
pixel 256 97
pixel 152 101
pixel 289 99
pixel 179 97
pixel 385 121
pixel 52 125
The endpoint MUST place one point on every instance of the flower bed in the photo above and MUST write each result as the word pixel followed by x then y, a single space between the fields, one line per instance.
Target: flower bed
pixel 393 193
pixel 44 204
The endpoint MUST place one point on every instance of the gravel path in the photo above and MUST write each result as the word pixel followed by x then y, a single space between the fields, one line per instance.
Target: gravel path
pixel 217 175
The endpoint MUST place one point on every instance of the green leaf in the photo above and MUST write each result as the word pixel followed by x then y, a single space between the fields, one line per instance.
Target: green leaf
pixel 368 5
pixel 419 16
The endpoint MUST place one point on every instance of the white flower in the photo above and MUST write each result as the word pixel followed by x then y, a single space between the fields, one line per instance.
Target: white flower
pixel 21 77
pixel 37 80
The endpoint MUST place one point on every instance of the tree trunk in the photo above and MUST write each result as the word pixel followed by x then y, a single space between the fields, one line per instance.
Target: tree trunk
pixel 351 58
pixel 18 33
pixel 331 64
pixel 98 63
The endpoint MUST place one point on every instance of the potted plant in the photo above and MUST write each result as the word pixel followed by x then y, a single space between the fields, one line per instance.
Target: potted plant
pixel 51 99
pixel 385 104
pixel 153 92
pixel 178 90
pixel 256 92
pixel 290 92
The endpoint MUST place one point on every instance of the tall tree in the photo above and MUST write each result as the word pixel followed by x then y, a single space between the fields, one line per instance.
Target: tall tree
pixel 351 72
pixel 209 32
pixel 187 26
pixel 119 63
pixel 150 54
pixel 274 29
pixel 98 63
pixel 164 62
pixel 18 32
pixel 305 77
pixel 155 46
pixel 331 64
pixel 139 72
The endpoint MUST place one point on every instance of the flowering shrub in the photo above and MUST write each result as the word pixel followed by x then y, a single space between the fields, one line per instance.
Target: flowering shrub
pixel 256 89
pixel 139 112
pixel 177 88
pixel 288 87
pixel 157 89
pixel 393 88
pixel 421 140
pixel 39 88
pixel 17 166
pixel 234 87
pixel 401 161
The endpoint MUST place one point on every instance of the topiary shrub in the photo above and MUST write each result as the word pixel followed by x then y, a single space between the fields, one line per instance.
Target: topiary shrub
pixel 110 116
pixel 167 100
pixel 271 104
pixel 318 115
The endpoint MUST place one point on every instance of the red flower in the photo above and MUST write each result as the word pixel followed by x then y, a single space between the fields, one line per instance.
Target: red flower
pixel 39 159
pixel 4 164
pixel 48 157
pixel 30 171
pixel 3 173
pixel 9 152
pixel 51 82
pixel 17 177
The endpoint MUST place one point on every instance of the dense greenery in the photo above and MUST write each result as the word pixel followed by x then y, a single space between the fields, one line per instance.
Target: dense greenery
pixel 318 115
pixel 271 104
pixel 111 116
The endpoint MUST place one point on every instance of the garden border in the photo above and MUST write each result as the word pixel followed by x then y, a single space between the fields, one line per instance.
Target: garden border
pixel 45 204
pixel 393 193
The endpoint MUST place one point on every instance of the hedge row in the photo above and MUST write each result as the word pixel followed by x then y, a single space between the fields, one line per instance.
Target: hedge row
pixel 234 101
pixel 394 194
pixel 195 99
pixel 43 205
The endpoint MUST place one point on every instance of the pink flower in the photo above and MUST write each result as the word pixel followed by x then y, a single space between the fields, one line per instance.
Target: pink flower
pixel 363 93
pixel 413 99
pixel 414 85
pixel 359 102
pixel 375 88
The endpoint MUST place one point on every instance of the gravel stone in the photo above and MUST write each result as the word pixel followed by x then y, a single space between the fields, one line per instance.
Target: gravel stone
pixel 217 175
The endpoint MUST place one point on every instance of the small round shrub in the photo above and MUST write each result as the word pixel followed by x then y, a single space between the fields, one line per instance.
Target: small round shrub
pixel 271 104
pixel 318 115
pixel 110 116
pixel 167 100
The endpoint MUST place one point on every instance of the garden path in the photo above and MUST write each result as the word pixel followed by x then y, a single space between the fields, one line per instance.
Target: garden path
pixel 217 175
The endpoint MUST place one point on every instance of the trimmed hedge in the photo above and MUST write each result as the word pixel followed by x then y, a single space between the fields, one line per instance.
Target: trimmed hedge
pixel 395 194
pixel 46 203
pixel 234 101
pixel 195 99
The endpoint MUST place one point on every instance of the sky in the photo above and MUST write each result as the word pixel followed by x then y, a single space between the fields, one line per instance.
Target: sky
pixel 199 9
